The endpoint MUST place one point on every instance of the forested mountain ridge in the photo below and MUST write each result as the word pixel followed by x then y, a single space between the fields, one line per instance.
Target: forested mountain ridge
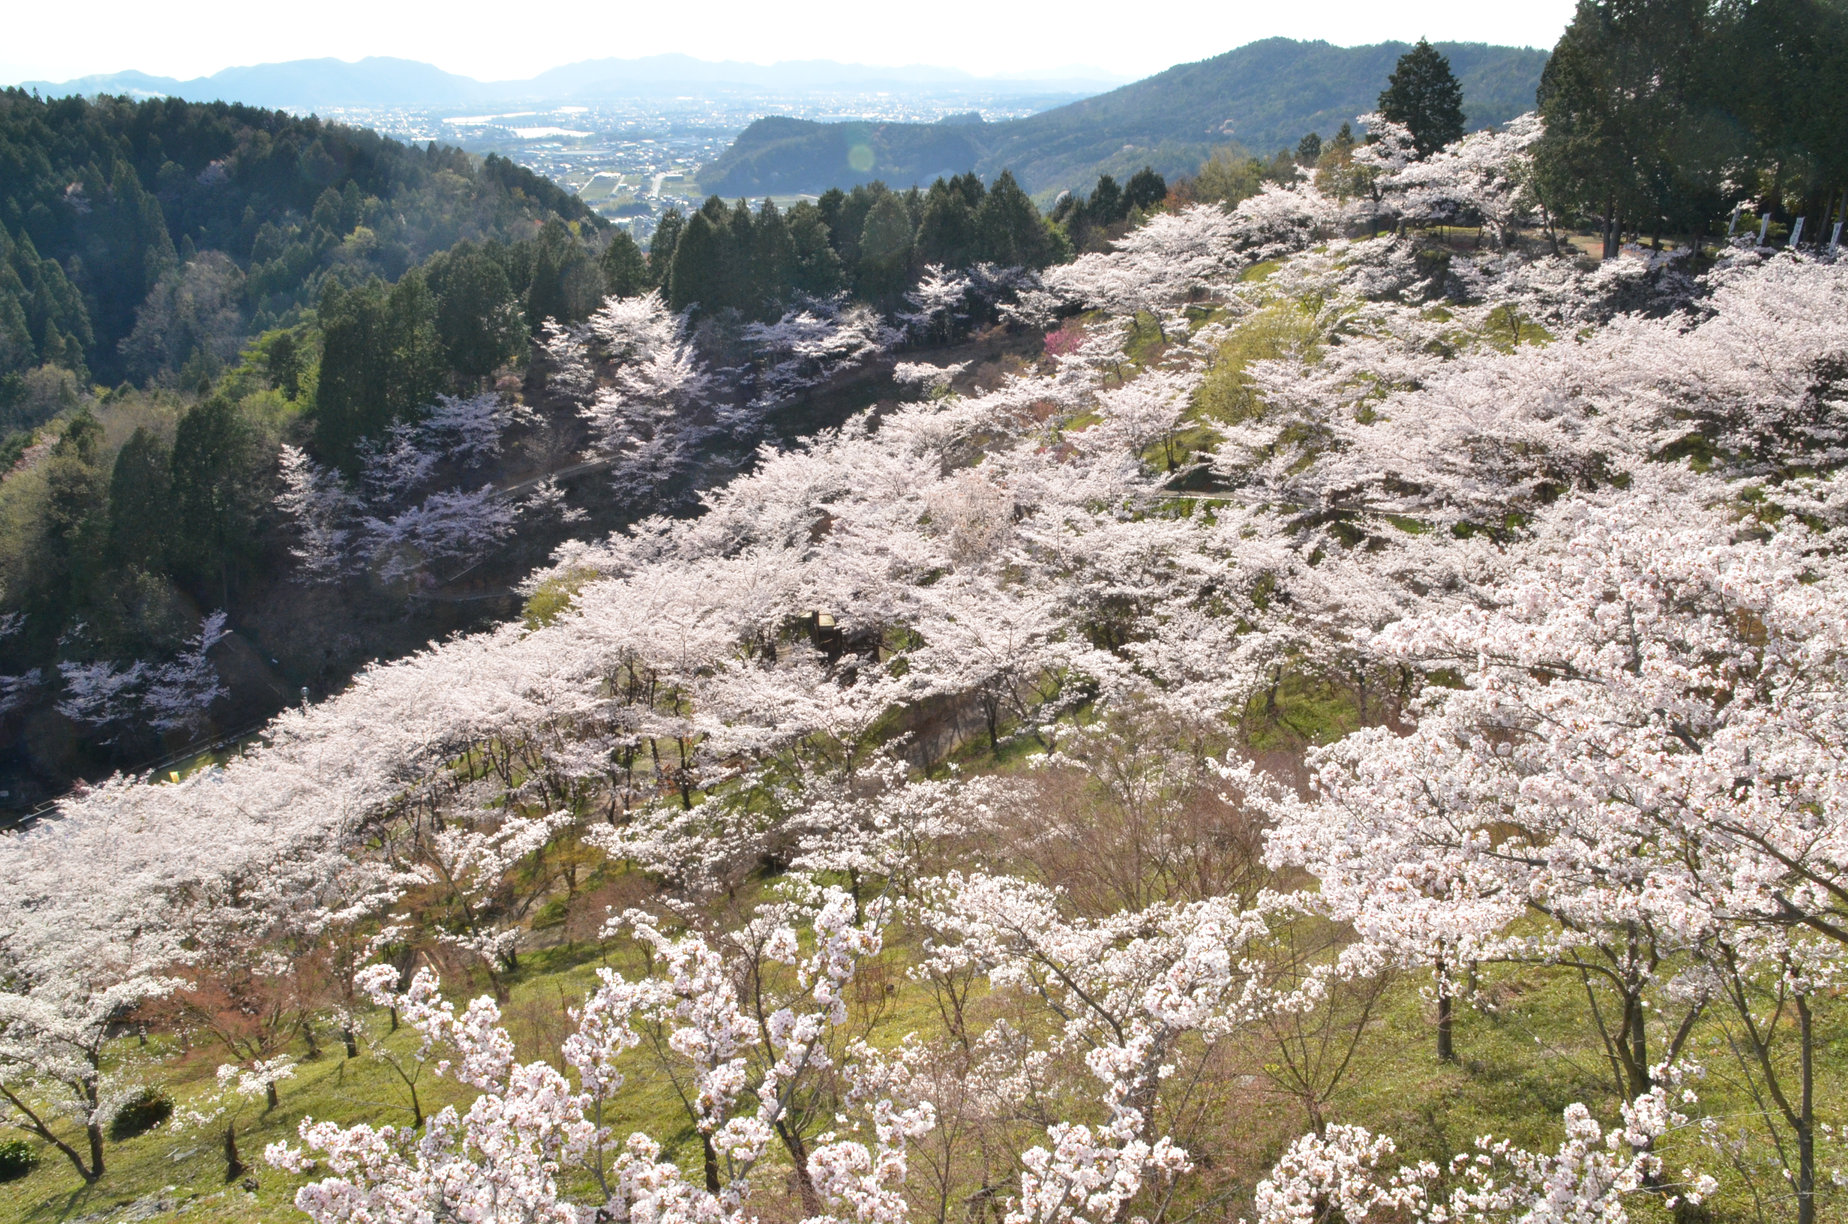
pixel 109 206
pixel 376 80
pixel 173 277
pixel 1262 96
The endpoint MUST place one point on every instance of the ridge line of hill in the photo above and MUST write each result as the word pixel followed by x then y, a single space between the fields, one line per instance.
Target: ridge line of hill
pixel 391 81
pixel 1262 96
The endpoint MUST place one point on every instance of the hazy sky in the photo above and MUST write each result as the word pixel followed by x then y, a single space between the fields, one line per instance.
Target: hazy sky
pixel 54 42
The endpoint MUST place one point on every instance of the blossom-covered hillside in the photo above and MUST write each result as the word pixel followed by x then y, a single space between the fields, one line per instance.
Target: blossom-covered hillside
pixel 1043 800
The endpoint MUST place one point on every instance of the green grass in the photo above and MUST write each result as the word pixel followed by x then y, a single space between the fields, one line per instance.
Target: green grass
pixel 552 598
pixel 1145 342
pixel 347 1090
pixel 1508 329
pixel 1259 271
pixel 1298 712
pixel 1282 329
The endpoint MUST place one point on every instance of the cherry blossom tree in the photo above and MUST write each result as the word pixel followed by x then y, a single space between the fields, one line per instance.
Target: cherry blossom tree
pixel 180 692
pixel 99 694
pixel 937 303
pixel 1487 176
pixel 237 1086
pixel 65 991
pixel 1123 991
pixel 395 524
pixel 1595 1175
pixel 747 1073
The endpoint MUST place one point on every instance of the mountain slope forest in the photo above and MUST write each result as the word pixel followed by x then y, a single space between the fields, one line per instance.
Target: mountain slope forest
pixel 196 260
pixel 1322 704
pixel 1261 96
pixel 119 195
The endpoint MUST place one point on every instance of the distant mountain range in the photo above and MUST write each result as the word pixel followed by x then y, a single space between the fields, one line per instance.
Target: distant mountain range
pixel 1263 96
pixel 379 81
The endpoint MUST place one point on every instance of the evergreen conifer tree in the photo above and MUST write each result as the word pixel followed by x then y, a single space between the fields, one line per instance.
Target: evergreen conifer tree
pixel 220 490
pixel 380 362
pixel 625 271
pixel 946 231
pixel 479 323
pixel 1145 190
pixel 885 251
pixel 566 284
pixel 1008 227
pixel 696 275
pixel 737 280
pixel 140 502
pixel 1619 98
pixel 815 267
pixel 1423 94
pixel 661 247
pixel 973 192
pixel 772 262
pixel 1106 205
pixel 76 496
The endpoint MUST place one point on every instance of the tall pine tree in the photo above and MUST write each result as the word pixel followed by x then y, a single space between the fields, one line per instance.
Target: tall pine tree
pixel 625 271
pixel 1423 94
pixel 773 262
pixel 885 252
pixel 1008 228
pixel 946 234
pixel 696 277
pixel 661 248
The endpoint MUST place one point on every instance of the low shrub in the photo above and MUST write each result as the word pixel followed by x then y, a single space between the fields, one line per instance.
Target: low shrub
pixel 140 1114
pixel 17 1158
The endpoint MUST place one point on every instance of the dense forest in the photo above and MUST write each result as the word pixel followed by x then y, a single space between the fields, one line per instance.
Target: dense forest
pixel 1313 692
pixel 114 212
pixel 170 275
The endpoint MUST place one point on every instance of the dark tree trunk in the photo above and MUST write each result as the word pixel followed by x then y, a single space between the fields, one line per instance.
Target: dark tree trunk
pixel 805 1184
pixel 711 1160
pixel 1806 1115
pixel 234 1165
pixel 1446 1018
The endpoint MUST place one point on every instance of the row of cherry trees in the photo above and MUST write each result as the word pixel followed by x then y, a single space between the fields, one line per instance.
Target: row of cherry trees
pixel 1563 543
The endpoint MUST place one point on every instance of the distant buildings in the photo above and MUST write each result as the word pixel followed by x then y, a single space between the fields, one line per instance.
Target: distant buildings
pixel 632 161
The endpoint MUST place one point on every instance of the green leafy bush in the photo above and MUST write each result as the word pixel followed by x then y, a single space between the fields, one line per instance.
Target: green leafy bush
pixel 17 1158
pixel 143 1112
